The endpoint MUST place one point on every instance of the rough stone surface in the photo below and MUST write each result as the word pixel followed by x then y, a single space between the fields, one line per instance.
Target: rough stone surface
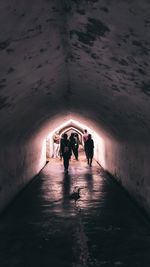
pixel 89 58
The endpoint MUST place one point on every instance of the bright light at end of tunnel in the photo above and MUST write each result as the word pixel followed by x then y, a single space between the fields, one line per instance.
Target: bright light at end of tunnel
pixel 99 148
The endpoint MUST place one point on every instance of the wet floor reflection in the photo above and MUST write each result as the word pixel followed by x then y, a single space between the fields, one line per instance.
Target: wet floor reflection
pixel 46 227
pixel 66 194
pixel 58 186
pixel 89 179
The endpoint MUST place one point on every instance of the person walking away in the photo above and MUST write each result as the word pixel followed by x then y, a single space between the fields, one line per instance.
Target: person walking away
pixel 89 149
pixel 65 148
pixel 56 140
pixel 74 145
pixel 76 137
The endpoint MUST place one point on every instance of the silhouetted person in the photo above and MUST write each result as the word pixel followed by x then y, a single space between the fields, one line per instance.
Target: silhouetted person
pixel 74 145
pixel 61 140
pixel 65 149
pixel 76 136
pixel 89 149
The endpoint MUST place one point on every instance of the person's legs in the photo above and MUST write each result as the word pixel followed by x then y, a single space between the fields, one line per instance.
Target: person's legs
pixel 55 148
pixel 76 152
pixel 91 161
pixel 86 154
pixel 66 162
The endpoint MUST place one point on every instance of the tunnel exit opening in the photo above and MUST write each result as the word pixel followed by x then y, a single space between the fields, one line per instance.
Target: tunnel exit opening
pixel 77 127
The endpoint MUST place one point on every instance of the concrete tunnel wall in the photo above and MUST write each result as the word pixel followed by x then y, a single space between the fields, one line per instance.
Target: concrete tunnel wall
pixel 128 162
pixel 87 60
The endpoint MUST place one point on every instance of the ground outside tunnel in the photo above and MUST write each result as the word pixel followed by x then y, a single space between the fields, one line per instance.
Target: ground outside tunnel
pixel 44 227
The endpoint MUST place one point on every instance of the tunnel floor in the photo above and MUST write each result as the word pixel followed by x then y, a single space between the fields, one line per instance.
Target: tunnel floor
pixel 44 227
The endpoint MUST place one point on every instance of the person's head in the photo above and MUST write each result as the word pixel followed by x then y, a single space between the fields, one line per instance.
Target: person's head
pixel 89 136
pixel 65 136
pixel 85 131
pixel 57 132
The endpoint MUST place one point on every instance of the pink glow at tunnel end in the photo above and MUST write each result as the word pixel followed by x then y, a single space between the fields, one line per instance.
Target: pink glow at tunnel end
pixel 99 144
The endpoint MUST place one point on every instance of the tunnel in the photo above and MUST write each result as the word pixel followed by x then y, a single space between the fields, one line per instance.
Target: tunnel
pixel 70 64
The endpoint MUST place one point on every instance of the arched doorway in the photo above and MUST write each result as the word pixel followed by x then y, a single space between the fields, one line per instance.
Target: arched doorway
pixel 75 126
pixel 70 128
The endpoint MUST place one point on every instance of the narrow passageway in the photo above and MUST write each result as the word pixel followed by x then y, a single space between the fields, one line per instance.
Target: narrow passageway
pixel 45 227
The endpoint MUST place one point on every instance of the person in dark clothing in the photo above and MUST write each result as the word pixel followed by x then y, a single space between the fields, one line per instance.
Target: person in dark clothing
pixel 76 136
pixel 74 145
pixel 89 149
pixel 65 148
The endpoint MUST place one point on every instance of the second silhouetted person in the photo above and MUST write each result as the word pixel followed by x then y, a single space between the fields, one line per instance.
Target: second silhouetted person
pixel 89 149
pixel 65 148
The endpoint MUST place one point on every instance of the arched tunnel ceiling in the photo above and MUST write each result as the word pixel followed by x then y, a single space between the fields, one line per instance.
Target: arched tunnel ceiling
pixel 71 127
pixel 86 56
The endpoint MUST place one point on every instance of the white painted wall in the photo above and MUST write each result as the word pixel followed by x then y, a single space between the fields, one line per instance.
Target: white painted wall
pixel 18 165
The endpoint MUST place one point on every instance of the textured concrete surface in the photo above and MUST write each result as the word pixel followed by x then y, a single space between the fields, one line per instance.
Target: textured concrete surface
pixel 54 53
pixel 69 58
pixel 129 163
pixel 44 227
